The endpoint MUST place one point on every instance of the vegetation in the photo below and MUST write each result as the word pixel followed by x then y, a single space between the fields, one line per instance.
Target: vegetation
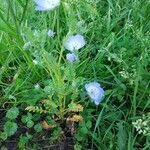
pixel 43 100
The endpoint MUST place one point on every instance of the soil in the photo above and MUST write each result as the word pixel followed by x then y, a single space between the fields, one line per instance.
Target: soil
pixel 64 143
pixel 67 144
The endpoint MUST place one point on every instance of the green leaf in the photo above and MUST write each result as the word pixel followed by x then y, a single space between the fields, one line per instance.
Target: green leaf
pixel 72 106
pixel 3 148
pixel 121 141
pixel 30 124
pixel 77 147
pixel 38 127
pixel 12 113
pixel 23 140
pixel 89 124
pixel 3 136
pixel 84 130
pixel 10 128
pixel 26 118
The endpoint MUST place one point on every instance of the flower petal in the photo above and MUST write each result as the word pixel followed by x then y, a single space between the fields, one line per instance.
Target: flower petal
pixel 74 42
pixel 95 91
pixel 71 57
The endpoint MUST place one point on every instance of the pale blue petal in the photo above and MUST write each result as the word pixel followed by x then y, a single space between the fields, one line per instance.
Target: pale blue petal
pixel 39 8
pixel 95 91
pixel 71 57
pixel 74 42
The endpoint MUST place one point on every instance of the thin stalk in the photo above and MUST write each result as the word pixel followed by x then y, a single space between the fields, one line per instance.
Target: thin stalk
pixel 61 107
pixel 24 11
pixel 13 15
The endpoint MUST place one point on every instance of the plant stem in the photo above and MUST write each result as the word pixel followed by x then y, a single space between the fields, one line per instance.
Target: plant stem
pixel 61 107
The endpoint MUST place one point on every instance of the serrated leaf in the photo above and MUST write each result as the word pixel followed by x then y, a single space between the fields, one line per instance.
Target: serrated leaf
pixel 3 136
pixel 30 124
pixel 12 113
pixel 26 118
pixel 38 127
pixel 89 124
pixel 10 128
pixel 73 107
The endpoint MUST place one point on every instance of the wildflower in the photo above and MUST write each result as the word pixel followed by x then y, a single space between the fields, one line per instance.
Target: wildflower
pixel 71 57
pixel 75 42
pixel 142 126
pixel 35 61
pixel 27 45
pixel 44 5
pixel 95 92
pixel 51 33
pixel 37 86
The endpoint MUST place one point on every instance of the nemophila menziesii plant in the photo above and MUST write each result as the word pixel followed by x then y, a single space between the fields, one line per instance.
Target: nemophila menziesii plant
pixel 68 76
pixel 45 5
pixel 74 42
pixel 95 91
pixel 71 57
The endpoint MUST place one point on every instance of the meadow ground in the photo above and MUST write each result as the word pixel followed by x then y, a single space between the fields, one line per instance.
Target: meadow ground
pixel 44 103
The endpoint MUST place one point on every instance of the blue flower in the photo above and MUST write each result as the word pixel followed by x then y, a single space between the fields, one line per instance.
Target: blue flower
pixel 74 42
pixel 95 91
pixel 44 5
pixel 71 57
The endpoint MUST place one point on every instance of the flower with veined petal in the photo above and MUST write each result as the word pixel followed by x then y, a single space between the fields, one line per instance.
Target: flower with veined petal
pixel 95 91
pixel 71 57
pixel 44 5
pixel 75 42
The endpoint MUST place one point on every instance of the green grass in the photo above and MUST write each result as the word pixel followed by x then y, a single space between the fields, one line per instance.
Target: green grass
pixel 116 55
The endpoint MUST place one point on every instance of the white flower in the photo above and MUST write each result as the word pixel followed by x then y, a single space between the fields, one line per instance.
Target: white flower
pixel 35 61
pixel 74 42
pixel 71 57
pixel 95 91
pixel 27 45
pixel 36 86
pixel 51 33
pixel 43 5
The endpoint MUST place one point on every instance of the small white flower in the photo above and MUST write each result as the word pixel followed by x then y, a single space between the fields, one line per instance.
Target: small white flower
pixel 27 45
pixel 71 57
pixel 144 123
pixel 51 33
pixel 36 86
pixel 74 42
pixel 44 5
pixel 140 131
pixel 35 61
pixel 144 131
pixel 95 91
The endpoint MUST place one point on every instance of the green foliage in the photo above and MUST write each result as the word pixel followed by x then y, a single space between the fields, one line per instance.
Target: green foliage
pixel 23 141
pixel 12 113
pixel 55 135
pixel 77 147
pixel 3 135
pixel 116 55
pixel 38 127
pixel 27 119
pixel 10 128
pixel 122 137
